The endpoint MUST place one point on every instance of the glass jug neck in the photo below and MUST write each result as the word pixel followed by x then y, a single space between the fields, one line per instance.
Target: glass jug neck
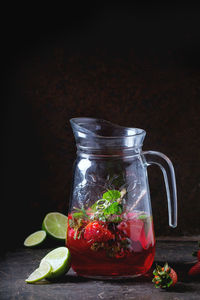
pixel 107 152
pixel 103 138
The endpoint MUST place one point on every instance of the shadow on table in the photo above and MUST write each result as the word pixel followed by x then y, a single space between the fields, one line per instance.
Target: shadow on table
pixel 181 287
pixel 73 278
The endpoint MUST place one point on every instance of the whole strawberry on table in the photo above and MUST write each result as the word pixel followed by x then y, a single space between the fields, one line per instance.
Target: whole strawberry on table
pixel 107 239
pixel 195 269
pixel 164 277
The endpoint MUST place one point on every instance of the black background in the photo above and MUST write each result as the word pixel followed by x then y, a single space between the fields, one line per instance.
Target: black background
pixel 136 65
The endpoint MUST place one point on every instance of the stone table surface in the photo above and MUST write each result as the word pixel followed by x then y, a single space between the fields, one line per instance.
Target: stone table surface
pixel 16 265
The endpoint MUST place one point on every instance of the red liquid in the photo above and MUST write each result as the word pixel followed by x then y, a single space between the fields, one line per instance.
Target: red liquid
pixel 130 252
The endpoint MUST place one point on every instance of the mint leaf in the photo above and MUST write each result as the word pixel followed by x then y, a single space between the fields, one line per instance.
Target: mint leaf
pixel 111 195
pixel 142 217
pixel 107 208
pixel 113 209
pixel 81 213
pixel 78 215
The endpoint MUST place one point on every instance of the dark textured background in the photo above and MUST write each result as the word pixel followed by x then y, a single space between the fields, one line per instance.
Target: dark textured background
pixel 136 66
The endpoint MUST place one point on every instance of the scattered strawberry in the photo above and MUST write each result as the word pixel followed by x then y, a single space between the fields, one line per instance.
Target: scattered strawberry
pixel 164 277
pixel 96 232
pixel 198 254
pixel 195 270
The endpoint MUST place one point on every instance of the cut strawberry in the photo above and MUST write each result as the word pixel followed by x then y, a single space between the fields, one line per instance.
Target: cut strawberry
pixel 76 243
pixel 132 228
pixel 195 270
pixel 96 232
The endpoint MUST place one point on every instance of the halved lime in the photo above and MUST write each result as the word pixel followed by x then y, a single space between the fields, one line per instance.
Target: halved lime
pixel 55 224
pixel 60 260
pixel 35 238
pixel 42 272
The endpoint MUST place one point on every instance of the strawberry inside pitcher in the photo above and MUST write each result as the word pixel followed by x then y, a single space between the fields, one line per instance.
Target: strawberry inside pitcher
pixel 105 240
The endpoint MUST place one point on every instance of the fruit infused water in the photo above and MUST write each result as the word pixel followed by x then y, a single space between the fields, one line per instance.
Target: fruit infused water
pixel 105 240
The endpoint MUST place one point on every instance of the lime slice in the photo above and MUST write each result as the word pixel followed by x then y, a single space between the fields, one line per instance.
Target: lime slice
pixel 60 261
pixel 42 272
pixel 55 224
pixel 35 238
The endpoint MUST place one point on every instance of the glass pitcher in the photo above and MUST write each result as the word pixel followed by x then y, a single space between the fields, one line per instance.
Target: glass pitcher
pixel 110 226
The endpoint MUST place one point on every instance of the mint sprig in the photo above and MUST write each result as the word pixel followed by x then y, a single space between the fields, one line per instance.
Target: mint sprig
pixel 109 208
pixel 81 213
pixel 111 195
pixel 77 221
pixel 114 208
pixel 109 205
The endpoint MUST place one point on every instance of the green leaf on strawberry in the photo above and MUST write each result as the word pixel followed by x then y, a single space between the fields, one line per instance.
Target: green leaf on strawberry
pixel 164 277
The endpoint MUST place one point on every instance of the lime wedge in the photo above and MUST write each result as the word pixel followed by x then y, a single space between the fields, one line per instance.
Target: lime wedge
pixel 60 261
pixel 55 224
pixel 42 272
pixel 35 238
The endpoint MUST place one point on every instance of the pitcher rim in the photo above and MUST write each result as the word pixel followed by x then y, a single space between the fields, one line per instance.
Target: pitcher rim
pixel 139 132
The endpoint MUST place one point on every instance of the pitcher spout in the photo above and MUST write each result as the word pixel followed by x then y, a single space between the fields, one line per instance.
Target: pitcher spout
pixel 92 133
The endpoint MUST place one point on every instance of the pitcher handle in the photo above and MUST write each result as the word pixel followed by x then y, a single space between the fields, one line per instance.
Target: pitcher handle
pixel 165 164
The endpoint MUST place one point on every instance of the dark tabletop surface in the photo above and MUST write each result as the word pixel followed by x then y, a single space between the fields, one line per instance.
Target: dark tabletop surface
pixel 16 265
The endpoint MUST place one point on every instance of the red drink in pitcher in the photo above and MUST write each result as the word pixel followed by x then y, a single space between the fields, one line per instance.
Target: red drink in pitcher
pixel 104 241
